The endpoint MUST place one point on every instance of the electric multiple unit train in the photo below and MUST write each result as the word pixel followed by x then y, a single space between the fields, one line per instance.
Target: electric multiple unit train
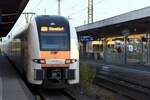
pixel 46 52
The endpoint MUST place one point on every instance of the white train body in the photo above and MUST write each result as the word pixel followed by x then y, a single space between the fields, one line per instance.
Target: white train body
pixel 46 52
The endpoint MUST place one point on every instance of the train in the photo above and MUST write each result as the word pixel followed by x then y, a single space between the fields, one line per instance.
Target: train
pixel 46 52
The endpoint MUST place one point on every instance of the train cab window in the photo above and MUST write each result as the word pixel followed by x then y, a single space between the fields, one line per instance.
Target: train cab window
pixel 54 41
pixel 54 33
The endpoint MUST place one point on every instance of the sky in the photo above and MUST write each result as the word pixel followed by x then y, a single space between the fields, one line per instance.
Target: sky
pixel 77 9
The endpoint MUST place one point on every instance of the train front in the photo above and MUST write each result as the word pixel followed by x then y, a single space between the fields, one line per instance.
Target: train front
pixel 59 55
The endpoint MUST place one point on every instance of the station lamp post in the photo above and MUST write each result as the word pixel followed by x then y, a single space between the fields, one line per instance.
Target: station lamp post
pixel 125 33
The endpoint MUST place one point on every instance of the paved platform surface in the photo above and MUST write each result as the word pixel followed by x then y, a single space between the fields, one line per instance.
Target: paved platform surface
pixel 11 85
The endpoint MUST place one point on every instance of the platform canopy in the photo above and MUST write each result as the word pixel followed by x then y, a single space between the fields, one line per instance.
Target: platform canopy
pixel 135 22
pixel 10 11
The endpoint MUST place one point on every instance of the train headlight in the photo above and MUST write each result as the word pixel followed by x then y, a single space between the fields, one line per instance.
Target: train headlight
pixel 69 61
pixel 74 60
pixel 35 60
pixel 40 61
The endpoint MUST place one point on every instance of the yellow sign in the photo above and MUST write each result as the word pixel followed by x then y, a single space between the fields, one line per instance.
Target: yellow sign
pixel 46 29
pixel 56 28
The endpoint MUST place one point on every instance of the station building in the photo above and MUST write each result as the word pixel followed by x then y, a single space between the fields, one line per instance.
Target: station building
pixel 123 39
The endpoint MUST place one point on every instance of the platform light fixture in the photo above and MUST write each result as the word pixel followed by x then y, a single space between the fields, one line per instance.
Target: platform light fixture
pixel 125 32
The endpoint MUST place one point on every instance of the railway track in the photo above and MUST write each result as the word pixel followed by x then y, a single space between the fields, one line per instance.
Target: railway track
pixel 123 87
pixel 125 81
pixel 54 95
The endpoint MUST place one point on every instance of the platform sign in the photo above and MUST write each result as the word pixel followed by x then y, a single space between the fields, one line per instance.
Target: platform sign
pixel 86 38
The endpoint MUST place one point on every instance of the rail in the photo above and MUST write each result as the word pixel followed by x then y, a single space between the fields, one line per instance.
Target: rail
pixel 54 95
pixel 123 86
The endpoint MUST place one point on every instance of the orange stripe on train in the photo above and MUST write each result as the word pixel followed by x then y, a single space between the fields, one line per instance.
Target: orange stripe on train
pixel 55 65
pixel 55 54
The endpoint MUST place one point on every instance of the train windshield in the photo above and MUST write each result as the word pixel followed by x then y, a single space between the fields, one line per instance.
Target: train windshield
pixel 54 41
pixel 54 32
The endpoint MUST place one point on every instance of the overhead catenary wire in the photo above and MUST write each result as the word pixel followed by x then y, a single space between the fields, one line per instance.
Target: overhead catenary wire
pixel 100 1
pixel 29 14
pixel 85 8
pixel 35 6
pixel 73 6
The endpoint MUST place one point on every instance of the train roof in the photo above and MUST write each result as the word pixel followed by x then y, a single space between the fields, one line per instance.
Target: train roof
pixel 51 18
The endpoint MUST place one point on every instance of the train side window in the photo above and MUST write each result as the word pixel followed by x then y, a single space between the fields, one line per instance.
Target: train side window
pixel 16 46
pixel 9 36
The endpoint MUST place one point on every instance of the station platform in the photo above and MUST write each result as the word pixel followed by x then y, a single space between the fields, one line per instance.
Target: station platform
pixel 12 86
pixel 140 67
